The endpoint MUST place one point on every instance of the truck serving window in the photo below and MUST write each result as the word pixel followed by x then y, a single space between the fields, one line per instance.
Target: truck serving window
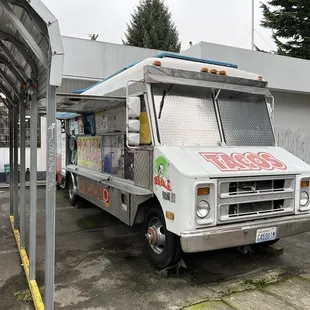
pixel 187 116
pixel 245 120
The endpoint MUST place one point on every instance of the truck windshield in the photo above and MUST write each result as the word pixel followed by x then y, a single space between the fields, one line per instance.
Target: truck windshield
pixel 245 119
pixel 188 117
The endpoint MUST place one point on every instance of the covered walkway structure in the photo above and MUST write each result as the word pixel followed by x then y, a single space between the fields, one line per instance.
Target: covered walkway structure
pixel 31 64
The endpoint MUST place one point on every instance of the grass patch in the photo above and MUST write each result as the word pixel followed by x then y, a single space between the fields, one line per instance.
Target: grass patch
pixel 24 296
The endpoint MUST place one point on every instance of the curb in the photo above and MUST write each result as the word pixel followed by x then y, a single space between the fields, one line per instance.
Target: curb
pixel 33 286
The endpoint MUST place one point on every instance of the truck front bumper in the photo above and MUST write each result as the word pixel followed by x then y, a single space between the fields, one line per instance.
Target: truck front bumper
pixel 227 236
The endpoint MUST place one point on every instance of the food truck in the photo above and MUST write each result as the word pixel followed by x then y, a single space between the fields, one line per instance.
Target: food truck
pixel 185 147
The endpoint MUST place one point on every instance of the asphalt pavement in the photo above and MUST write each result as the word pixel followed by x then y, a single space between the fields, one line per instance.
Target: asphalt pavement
pixel 102 264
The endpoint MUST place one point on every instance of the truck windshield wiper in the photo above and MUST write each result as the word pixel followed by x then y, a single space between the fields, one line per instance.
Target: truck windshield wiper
pixel 165 93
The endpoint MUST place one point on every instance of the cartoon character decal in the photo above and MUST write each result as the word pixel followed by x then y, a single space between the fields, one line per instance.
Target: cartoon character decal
pixel 161 169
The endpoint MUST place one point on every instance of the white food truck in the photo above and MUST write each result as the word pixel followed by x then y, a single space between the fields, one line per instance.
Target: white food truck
pixel 185 147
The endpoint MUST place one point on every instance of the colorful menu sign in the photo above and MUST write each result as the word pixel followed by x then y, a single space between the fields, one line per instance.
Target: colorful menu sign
pixel 89 152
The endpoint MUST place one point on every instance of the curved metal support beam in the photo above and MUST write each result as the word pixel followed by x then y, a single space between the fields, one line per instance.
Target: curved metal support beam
pixel 24 52
pixel 57 51
pixel 7 95
pixel 7 53
pixel 41 26
pixel 5 62
pixel 4 102
pixel 5 78
pixel 24 33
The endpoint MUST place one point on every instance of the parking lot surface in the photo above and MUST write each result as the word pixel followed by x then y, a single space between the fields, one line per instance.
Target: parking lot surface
pixel 102 264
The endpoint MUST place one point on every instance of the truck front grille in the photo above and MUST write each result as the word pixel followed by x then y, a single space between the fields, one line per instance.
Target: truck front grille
pixel 256 208
pixel 255 198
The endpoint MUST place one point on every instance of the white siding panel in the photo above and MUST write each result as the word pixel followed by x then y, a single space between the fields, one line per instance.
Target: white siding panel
pixel 282 73
pixel 292 123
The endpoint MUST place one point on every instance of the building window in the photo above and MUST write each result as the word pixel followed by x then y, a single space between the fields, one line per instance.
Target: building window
pixel 5 129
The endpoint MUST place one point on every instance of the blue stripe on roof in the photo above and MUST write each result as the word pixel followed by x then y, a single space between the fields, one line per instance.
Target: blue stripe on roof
pixel 80 91
pixel 161 55
pixel 194 59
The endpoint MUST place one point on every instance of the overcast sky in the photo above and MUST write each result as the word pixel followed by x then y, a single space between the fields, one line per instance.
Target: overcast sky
pixel 225 22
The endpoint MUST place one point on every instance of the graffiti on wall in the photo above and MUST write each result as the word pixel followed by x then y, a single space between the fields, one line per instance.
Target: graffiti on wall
pixel 296 142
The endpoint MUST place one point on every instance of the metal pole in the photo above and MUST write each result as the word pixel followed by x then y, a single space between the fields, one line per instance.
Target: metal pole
pixel 252 28
pixel 11 120
pixel 50 199
pixel 33 186
pixel 15 193
pixel 22 176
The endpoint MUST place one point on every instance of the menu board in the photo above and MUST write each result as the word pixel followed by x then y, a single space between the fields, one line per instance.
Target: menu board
pixel 110 121
pixel 89 152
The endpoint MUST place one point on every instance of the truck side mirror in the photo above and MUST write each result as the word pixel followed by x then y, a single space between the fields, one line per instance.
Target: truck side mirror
pixel 133 124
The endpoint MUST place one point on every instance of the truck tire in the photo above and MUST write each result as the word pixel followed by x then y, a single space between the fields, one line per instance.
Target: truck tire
pixel 163 246
pixel 71 193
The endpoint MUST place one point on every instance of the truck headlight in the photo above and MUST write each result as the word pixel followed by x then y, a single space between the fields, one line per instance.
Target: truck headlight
pixel 304 198
pixel 202 209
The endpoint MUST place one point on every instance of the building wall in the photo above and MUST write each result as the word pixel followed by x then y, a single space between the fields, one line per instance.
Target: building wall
pixel 292 126
pixel 41 154
pixel 94 60
pixel 282 73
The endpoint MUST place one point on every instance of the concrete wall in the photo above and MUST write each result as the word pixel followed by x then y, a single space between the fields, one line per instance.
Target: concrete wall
pixel 292 126
pixel 96 60
pixel 282 73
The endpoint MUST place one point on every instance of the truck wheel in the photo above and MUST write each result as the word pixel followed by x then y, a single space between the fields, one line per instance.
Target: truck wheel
pixel 163 246
pixel 72 194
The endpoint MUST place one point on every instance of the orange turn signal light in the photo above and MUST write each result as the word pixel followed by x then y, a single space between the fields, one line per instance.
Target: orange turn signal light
pixel 222 72
pixel 213 71
pixel 304 184
pixel 157 63
pixel 204 69
pixel 169 215
pixel 203 191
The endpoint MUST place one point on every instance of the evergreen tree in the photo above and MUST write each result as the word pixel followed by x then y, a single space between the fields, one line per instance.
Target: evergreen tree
pixel 289 20
pixel 151 26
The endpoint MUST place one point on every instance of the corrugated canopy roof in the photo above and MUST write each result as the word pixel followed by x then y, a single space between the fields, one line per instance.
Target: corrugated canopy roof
pixel 30 44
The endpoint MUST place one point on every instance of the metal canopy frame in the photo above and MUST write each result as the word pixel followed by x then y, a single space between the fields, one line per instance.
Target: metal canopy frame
pixel 31 65
pixel 86 103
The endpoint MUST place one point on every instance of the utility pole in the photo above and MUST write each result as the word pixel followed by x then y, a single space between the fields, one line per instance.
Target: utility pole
pixel 252 28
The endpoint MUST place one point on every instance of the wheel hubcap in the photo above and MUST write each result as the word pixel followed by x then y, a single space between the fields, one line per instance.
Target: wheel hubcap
pixel 156 236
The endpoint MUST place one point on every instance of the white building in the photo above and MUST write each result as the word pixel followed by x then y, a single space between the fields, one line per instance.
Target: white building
pixel 87 62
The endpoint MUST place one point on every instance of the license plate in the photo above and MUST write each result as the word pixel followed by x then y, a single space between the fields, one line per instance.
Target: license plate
pixel 266 234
